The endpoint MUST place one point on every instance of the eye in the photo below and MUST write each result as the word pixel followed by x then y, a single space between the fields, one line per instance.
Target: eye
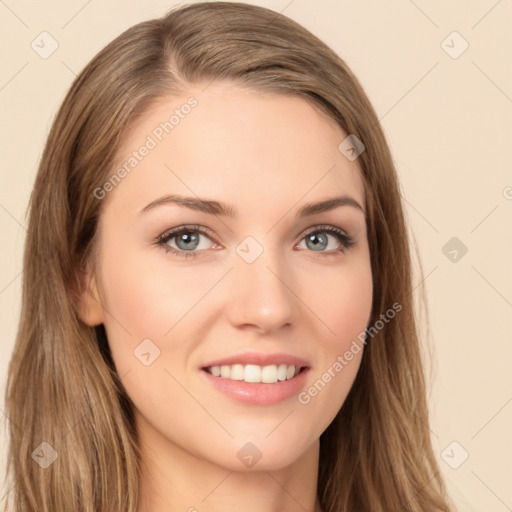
pixel 317 239
pixel 185 241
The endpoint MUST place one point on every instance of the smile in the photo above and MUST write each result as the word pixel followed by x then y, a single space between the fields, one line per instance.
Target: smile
pixel 254 373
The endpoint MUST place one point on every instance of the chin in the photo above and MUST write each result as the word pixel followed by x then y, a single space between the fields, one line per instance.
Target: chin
pixel 263 455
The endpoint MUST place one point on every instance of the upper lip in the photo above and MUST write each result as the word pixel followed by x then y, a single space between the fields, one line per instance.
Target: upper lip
pixel 260 359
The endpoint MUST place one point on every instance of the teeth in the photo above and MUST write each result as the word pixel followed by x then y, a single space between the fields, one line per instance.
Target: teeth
pixel 237 372
pixel 282 372
pixel 254 373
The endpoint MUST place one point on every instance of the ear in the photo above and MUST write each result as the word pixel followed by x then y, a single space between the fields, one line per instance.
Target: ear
pixel 88 301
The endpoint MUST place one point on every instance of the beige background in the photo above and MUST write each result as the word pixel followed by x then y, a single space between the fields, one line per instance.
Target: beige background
pixel 449 125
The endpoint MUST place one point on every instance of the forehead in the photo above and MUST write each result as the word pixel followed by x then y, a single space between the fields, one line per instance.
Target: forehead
pixel 238 144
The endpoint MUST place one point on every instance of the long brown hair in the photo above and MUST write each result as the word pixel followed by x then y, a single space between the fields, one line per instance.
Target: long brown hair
pixel 62 388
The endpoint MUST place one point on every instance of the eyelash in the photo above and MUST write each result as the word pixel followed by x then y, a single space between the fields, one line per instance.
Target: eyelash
pixel 162 241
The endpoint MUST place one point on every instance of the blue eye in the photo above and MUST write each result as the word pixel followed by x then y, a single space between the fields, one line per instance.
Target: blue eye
pixel 187 240
pixel 318 239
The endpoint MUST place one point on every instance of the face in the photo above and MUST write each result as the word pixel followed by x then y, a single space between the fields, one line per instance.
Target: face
pixel 269 288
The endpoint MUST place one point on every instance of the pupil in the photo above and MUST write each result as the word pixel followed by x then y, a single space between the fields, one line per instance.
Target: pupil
pixel 187 238
pixel 321 243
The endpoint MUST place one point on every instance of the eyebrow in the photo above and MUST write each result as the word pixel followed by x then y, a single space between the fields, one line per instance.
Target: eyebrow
pixel 217 208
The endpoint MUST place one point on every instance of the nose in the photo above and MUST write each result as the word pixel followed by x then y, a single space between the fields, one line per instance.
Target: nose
pixel 262 294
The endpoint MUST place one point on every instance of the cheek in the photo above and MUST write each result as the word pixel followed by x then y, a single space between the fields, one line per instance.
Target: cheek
pixel 343 305
pixel 342 302
pixel 144 298
pixel 148 294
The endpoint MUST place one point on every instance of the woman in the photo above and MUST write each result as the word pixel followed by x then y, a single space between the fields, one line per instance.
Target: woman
pixel 217 309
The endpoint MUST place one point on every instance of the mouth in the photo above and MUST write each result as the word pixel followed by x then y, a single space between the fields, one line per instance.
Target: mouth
pixel 257 384
pixel 252 373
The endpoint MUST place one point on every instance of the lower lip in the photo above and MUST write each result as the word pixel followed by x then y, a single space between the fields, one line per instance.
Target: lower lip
pixel 258 393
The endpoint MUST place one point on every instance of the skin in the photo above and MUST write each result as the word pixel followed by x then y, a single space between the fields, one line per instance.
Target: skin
pixel 266 155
